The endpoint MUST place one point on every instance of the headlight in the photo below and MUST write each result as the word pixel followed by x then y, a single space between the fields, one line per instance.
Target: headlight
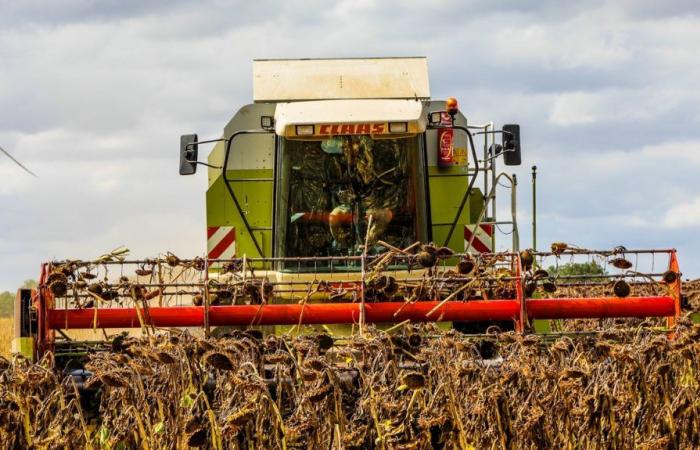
pixel 435 117
pixel 305 130
pixel 267 122
pixel 398 127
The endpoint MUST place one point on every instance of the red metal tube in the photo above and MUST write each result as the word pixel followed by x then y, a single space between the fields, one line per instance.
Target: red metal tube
pixel 600 307
pixel 286 314
pixel 330 313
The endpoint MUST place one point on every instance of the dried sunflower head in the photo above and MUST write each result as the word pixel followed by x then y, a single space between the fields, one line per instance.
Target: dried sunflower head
pixel 165 357
pixel 527 258
pixel 325 342
pixel 172 260
pixel 549 286
pixel 621 263
pixel 242 416
pixel 198 263
pixel 58 283
pixel 414 340
pixel 96 288
pixel 444 252
pixel 319 393
pixel 143 272
pixel 316 364
pixel 427 259
pixel 465 266
pixel 220 360
pixel 669 277
pixel 539 274
pixel 198 438
pixel 559 247
pixel 413 380
pixel 621 288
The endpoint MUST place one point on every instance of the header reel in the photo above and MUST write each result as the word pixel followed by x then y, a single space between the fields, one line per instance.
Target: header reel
pixel 417 284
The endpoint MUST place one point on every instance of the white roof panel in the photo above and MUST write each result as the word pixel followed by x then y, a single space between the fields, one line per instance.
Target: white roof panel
pixel 283 80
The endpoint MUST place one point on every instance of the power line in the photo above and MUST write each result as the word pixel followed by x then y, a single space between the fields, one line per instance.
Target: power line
pixel 18 163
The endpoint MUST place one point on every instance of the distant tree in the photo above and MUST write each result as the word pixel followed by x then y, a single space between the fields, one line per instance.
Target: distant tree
pixel 7 298
pixel 29 284
pixel 7 303
pixel 574 268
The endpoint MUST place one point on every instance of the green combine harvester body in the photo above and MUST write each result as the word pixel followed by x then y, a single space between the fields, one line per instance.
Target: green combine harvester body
pixel 264 172
pixel 345 195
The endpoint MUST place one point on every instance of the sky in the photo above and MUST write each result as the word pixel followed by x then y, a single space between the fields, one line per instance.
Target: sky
pixel 94 96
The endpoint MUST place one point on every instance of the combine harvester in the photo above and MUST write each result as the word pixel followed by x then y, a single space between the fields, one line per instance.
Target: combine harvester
pixel 320 194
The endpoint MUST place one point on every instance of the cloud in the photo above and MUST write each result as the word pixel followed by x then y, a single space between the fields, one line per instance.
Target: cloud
pixel 612 105
pixel 574 109
pixel 685 214
pixel 635 182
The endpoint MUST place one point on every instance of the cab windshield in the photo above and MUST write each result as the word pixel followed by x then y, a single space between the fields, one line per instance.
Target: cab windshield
pixel 336 194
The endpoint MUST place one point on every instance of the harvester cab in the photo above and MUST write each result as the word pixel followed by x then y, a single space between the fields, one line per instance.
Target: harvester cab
pixel 336 155
pixel 345 195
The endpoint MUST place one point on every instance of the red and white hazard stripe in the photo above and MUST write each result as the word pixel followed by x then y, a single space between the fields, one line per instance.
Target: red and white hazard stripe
pixel 221 242
pixel 483 241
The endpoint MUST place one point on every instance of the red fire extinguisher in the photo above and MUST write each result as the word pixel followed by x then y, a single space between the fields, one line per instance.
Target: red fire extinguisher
pixel 446 151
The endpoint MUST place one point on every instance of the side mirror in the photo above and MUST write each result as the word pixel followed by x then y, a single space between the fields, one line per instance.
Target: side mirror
pixel 188 154
pixel 511 145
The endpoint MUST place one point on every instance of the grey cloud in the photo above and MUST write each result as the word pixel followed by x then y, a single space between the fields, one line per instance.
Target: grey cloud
pixel 655 9
pixel 75 11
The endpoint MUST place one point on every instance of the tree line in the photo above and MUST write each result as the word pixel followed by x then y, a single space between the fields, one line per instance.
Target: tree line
pixel 7 298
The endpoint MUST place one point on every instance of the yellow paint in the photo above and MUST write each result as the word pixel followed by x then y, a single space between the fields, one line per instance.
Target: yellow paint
pixel 24 346
pixel 460 156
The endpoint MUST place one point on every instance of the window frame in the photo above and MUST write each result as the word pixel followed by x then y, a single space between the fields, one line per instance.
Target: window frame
pixel 417 168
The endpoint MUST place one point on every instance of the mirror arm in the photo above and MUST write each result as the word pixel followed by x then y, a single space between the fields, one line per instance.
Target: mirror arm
pixel 192 144
pixel 206 142
pixel 204 164
pixel 188 150
pixel 493 132
pixel 510 150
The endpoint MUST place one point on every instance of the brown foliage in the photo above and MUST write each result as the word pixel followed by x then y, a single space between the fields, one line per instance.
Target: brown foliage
pixel 623 390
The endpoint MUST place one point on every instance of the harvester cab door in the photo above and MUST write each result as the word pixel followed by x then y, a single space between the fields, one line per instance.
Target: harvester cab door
pixel 240 197
pixel 448 179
